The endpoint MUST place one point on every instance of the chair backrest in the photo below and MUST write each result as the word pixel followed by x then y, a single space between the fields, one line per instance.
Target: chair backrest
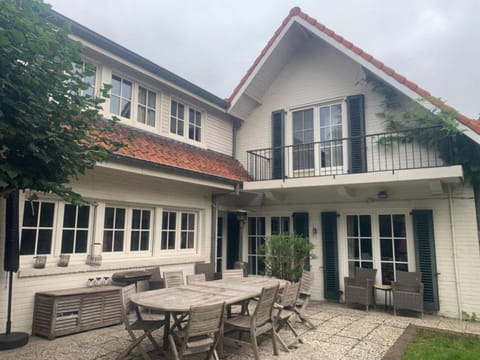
pixel 241 265
pixel 232 274
pixel 128 307
pixel 364 274
pixel 263 310
pixel 306 282
pixel 207 319
pixel 409 281
pixel 290 295
pixel 206 268
pixel 173 279
pixel 156 275
pixel 196 279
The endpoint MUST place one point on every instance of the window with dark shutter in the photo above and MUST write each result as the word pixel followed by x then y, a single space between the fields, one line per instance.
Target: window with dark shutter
pixel 300 227
pixel 330 256
pixel 356 127
pixel 278 142
pixel 426 259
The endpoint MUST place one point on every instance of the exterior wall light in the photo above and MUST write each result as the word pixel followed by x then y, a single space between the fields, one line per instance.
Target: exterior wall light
pixel 382 195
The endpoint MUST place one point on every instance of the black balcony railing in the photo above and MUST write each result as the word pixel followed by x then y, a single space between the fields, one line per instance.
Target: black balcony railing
pixel 398 150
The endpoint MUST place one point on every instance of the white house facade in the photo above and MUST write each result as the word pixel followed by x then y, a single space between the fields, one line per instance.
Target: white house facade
pixel 298 147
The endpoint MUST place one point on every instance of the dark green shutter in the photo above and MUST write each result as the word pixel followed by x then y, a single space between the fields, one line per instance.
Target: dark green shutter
pixel 300 227
pixel 425 254
pixel 330 256
pixel 278 142
pixel 356 129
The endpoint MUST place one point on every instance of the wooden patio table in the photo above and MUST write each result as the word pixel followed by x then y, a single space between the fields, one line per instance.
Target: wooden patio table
pixel 180 299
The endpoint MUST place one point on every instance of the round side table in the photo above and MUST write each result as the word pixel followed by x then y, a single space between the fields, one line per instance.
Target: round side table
pixel 387 289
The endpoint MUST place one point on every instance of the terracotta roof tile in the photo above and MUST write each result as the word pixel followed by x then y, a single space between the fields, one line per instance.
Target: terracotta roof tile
pixel 161 150
pixel 296 11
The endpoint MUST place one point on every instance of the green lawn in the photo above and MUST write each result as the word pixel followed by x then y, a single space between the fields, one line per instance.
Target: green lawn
pixel 433 345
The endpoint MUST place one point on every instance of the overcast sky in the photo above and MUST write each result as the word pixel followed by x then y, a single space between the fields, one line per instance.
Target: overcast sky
pixel 435 43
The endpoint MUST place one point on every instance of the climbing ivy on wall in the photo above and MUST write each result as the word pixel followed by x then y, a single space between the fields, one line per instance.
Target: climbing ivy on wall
pixel 444 134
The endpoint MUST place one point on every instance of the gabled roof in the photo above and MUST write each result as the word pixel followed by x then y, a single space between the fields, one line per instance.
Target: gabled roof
pixel 158 151
pixel 296 12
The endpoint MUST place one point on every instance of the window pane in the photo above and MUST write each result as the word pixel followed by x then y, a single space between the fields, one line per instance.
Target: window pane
pixel 171 240
pixel 141 114
pixel 385 225
pixel 27 244
pixel 401 267
pixel 308 119
pixel 198 119
pixel 145 219
pixel 191 132
pixel 190 240
pixel 81 243
pixel 118 241
pixel 387 273
pixel 353 249
pixel 366 245
pixel 151 118
pixel 107 240
pixel 184 221
pixel 336 114
pixel 399 226
pixel 252 226
pixel 127 89
pixel 183 240
pixel 275 226
pixel 386 249
pixel 142 95
pixel 44 241
pixel 144 240
pixel 164 240
pixel 325 134
pixel 120 218
pixel 325 116
pixel 180 128
pixel 109 215
pixel 401 250
pixel 116 83
pixel 46 214
pixel 191 116
pixel 135 241
pixel 181 110
pixel 367 264
pixel 136 219
pixel 125 108
pixel 172 221
pixel 165 220
pixel 30 213
pixel 83 217
pixel 352 226
pixel 191 221
pixel 173 108
pixel 67 241
pixel 365 226
pixel 115 105
pixel 69 216
pixel 152 99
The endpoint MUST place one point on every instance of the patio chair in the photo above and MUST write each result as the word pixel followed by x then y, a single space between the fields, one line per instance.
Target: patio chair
pixel 359 289
pixel 202 333
pixel 235 274
pixel 260 322
pixel 173 279
pixel 134 322
pixel 241 265
pixel 306 283
pixel 209 270
pixel 407 292
pixel 156 281
pixel 193 279
pixel 284 311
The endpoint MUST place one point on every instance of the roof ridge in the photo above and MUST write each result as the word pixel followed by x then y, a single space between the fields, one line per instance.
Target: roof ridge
pixel 296 11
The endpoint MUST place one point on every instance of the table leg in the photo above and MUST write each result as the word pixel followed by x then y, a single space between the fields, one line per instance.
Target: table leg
pixel 166 330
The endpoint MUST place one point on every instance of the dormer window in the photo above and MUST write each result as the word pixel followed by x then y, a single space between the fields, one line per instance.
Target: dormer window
pixel 146 106
pixel 177 121
pixel 121 97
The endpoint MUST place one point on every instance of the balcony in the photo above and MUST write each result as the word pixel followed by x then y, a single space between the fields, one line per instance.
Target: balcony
pixel 388 151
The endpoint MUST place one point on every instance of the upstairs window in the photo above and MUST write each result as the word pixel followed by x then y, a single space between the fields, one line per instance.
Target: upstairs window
pixel 303 155
pixel 146 106
pixel 121 97
pixel 194 125
pixel 37 228
pixel 177 118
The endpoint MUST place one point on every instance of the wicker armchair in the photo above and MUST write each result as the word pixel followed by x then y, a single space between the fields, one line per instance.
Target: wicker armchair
pixel 407 292
pixel 359 289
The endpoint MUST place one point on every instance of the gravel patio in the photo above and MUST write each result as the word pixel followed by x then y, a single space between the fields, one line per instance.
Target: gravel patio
pixel 341 333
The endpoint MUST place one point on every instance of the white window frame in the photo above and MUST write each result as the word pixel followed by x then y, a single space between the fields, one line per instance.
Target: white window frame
pixel 257 237
pixel 53 242
pixel 197 129
pixel 359 239
pixel 140 230
pixel 146 106
pixel 317 170
pixel 177 118
pixel 178 231
pixel 61 228
pixel 122 97
pixel 186 122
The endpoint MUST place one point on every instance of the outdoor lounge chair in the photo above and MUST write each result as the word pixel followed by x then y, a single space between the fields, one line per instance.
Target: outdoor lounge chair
pixel 359 289
pixel 407 292
pixel 260 322
pixel 284 311
pixel 306 283
pixel 134 322
pixel 202 333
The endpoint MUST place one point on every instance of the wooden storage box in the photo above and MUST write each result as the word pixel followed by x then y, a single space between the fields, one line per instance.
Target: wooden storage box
pixel 63 312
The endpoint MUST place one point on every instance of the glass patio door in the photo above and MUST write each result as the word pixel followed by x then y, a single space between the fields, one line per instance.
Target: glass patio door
pixel 359 242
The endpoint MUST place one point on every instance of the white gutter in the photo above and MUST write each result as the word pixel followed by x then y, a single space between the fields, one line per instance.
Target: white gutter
pixel 454 251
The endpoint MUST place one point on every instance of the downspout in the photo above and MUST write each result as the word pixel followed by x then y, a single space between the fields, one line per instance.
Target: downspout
pixel 213 232
pixel 454 250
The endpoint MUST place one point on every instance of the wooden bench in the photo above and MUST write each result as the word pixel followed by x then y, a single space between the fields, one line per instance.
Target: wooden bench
pixel 63 312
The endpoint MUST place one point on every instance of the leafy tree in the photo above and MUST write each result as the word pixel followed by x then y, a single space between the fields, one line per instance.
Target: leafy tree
pixel 50 129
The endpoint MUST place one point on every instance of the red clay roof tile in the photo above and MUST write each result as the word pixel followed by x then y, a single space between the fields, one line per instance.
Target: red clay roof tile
pixel 296 11
pixel 161 150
